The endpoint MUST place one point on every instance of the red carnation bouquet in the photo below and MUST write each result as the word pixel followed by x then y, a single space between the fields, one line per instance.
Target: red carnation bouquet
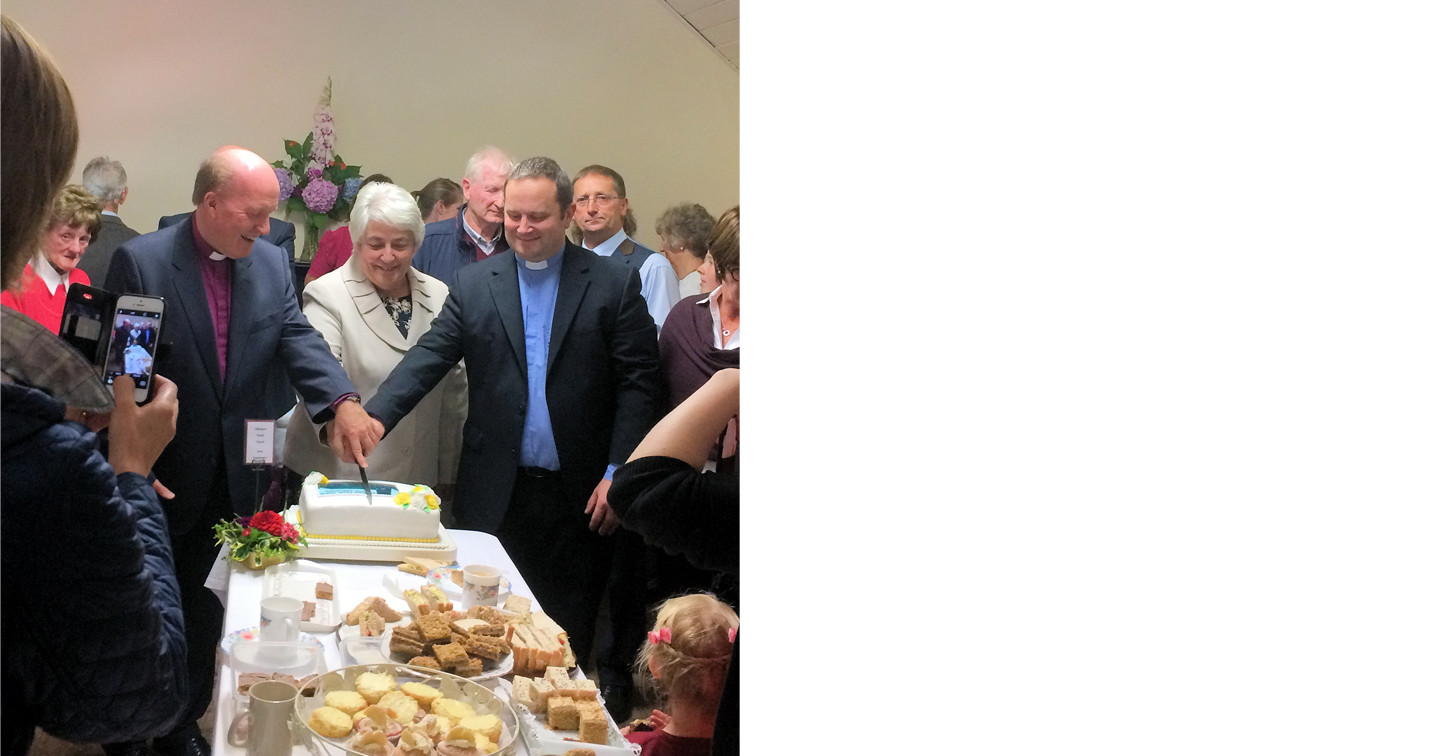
pixel 261 539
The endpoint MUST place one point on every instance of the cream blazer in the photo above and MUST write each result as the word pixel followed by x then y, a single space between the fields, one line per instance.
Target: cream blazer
pixel 424 447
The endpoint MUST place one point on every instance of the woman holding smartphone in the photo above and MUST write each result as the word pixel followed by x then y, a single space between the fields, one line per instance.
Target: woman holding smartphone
pixel 105 662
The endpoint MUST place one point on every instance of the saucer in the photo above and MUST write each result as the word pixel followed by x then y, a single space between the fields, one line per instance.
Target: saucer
pixel 253 634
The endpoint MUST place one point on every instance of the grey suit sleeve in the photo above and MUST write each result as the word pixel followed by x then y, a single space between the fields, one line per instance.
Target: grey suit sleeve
pixel 423 367
pixel 635 362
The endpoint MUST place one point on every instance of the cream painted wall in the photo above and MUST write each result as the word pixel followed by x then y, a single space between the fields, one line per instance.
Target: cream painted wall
pixel 418 86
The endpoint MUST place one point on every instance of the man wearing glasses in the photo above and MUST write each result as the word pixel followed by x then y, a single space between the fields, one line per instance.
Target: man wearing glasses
pixel 603 215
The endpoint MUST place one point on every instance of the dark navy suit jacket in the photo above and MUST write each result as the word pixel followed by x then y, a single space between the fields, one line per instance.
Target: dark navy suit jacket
pixel 282 234
pixel 601 385
pixel 267 334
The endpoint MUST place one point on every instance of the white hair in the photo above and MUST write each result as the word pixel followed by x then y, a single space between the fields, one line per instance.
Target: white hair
pixel 389 204
pixel 491 156
pixel 104 178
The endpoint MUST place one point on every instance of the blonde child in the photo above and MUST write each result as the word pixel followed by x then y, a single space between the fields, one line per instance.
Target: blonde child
pixel 687 655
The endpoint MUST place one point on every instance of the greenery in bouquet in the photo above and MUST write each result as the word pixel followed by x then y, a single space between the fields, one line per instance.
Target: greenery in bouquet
pixel 265 535
pixel 315 182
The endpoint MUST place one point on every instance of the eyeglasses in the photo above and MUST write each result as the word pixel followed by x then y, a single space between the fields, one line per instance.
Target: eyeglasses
pixel 600 199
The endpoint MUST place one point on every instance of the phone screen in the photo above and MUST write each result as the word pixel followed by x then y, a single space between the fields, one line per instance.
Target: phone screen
pixel 132 347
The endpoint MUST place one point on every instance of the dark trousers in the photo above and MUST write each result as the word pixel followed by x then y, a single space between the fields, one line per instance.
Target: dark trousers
pixel 562 560
pixel 195 553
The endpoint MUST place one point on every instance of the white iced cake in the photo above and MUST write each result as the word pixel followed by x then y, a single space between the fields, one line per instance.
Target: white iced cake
pixel 395 512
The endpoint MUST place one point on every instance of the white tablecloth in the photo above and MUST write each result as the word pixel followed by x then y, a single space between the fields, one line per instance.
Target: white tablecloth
pixel 240 590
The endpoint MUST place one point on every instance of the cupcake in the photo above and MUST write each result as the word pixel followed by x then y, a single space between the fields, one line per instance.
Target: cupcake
pixel 371 743
pixel 414 742
pixel 373 685
pixel 462 742
pixel 377 719
pixel 435 726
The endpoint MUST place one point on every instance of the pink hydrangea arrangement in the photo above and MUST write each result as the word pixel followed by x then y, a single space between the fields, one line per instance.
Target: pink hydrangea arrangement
pixel 313 176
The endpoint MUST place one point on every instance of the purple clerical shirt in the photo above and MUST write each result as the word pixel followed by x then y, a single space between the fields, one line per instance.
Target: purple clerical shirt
pixel 216 274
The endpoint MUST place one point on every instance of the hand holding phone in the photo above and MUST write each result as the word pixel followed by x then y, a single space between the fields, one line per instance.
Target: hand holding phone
pixel 138 434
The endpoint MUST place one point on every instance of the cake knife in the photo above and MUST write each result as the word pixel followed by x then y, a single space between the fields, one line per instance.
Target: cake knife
pixel 366 480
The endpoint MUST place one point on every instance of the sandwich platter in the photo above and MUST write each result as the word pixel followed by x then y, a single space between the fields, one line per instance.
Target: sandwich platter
pixel 543 741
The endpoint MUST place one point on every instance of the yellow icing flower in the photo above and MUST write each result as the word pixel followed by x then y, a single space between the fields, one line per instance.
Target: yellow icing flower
pixel 432 501
pixel 403 499
pixel 324 481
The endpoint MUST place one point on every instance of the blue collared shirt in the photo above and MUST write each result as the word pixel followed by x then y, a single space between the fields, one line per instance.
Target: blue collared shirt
pixel 538 288
pixel 658 284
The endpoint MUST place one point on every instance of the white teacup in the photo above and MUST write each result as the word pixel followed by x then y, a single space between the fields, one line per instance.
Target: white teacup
pixel 280 619
pixel 482 586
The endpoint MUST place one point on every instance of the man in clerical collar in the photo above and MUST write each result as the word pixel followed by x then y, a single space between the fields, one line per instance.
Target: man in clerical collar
pixel 231 316
pixel 603 214
pixel 477 231
pixel 563 370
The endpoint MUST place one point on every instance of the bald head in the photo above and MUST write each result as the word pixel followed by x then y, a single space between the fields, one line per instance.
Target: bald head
pixel 235 193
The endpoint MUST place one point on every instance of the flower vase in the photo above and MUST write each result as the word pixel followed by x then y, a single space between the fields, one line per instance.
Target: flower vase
pixel 261 561
pixel 312 242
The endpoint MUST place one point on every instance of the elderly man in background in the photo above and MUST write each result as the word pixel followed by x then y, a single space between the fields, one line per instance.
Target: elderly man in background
pixel 563 372
pixel 105 178
pixel 231 312
pixel 683 229
pixel 602 213
pixel 476 232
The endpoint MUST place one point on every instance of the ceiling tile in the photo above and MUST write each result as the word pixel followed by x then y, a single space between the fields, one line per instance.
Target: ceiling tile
pixel 710 15
pixel 688 6
pixel 723 34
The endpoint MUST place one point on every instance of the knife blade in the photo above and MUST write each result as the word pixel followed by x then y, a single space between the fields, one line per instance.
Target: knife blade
pixel 365 479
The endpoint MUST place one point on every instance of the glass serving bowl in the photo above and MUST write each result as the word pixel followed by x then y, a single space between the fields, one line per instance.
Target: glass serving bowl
pixel 481 698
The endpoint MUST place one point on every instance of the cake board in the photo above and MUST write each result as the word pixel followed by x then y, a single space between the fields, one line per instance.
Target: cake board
pixel 360 550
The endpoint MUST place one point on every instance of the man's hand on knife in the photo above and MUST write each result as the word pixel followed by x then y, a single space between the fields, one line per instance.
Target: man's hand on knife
pixel 354 433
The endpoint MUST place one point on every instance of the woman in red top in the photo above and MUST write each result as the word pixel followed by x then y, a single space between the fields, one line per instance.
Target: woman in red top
pixel 74 221
pixel 688 655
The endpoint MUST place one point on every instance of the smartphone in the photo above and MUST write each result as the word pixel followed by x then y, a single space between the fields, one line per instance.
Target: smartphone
pixel 85 322
pixel 133 342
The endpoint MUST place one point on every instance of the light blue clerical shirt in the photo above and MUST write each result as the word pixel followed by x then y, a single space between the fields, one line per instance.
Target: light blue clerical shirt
pixel 539 283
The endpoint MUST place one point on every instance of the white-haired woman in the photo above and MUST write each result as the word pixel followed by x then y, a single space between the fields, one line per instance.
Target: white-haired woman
pixel 371 310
